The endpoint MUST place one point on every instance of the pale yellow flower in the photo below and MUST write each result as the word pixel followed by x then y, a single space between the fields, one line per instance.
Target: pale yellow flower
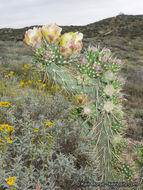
pixel 71 43
pixel 33 37
pixel 52 33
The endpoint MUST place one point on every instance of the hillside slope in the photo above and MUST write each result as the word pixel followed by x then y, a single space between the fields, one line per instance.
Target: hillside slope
pixel 123 25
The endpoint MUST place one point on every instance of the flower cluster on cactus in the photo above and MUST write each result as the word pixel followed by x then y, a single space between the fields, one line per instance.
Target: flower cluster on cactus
pixel 93 81
pixel 51 33
pixel 33 37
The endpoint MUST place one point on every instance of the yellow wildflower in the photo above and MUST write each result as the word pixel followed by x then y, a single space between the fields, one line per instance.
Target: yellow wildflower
pixel 7 138
pixel 4 104
pixel 37 129
pixel 13 177
pixel 48 123
pixel 26 66
pixel 9 129
pixel 21 83
pixel 49 137
pixel 11 73
pixel 5 76
pixel 4 125
pixel 43 85
pixel 10 181
pixel 39 80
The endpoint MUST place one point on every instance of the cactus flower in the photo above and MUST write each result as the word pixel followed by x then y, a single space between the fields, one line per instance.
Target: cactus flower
pixel 78 42
pixel 52 33
pixel 33 37
pixel 70 42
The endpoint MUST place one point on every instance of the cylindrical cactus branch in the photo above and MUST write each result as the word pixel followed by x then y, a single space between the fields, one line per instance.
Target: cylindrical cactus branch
pixel 91 78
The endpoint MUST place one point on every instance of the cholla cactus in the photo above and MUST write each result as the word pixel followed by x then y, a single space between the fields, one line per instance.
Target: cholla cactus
pixel 92 80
